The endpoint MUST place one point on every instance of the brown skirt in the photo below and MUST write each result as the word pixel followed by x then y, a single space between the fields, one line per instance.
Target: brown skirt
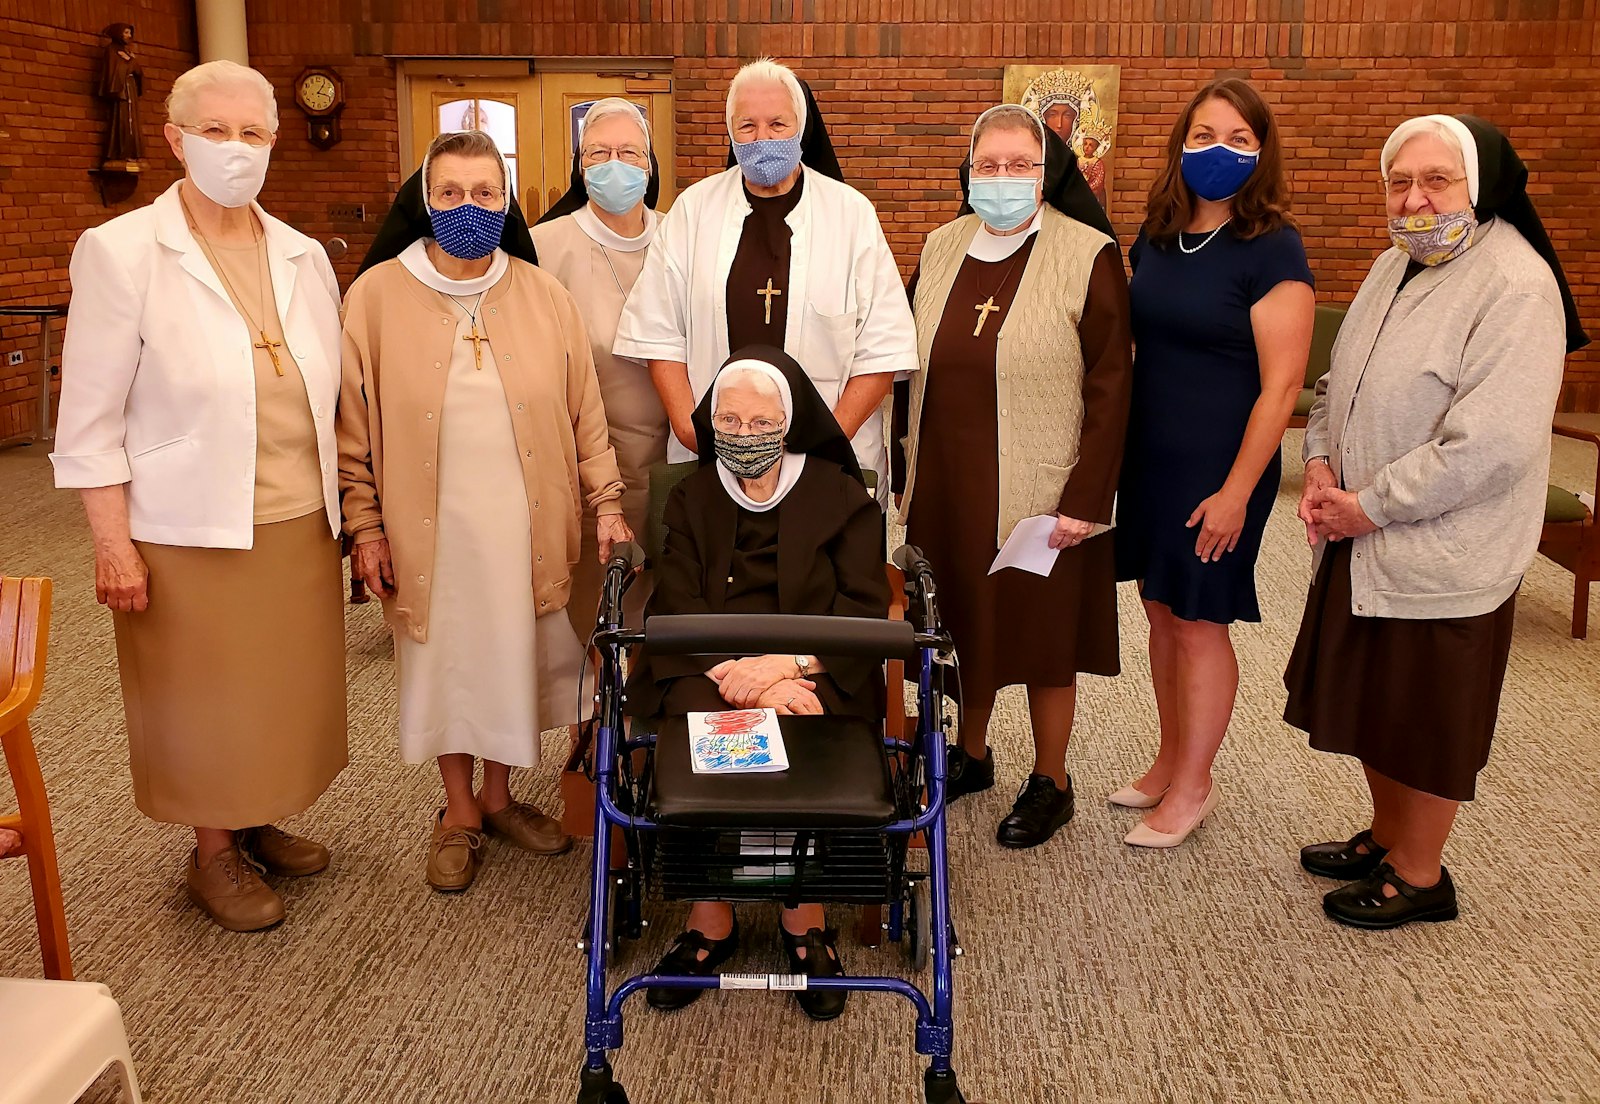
pixel 1415 700
pixel 233 679
pixel 1015 627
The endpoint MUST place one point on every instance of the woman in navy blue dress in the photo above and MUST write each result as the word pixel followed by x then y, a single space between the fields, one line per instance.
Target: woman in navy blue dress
pixel 1222 310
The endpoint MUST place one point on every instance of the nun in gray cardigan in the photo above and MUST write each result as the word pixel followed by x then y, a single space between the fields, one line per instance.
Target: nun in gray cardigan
pixel 1427 457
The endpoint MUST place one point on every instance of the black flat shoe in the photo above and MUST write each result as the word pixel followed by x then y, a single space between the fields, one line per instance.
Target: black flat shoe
pixel 1344 861
pixel 821 961
pixel 1039 810
pixel 684 958
pixel 1363 904
pixel 966 775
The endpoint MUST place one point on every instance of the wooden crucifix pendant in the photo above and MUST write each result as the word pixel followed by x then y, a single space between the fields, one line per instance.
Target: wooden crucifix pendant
pixel 984 311
pixel 477 340
pixel 272 348
pixel 767 293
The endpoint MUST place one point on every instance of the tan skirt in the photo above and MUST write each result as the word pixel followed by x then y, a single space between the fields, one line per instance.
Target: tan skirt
pixel 233 679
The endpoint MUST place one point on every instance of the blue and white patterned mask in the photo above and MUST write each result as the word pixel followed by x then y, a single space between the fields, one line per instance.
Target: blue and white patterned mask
pixel 766 162
pixel 469 232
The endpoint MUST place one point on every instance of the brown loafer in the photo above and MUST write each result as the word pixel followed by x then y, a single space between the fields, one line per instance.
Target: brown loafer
pixel 528 828
pixel 455 856
pixel 283 854
pixel 230 891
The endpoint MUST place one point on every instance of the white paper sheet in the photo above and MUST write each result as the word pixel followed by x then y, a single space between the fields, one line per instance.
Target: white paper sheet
pixel 1027 548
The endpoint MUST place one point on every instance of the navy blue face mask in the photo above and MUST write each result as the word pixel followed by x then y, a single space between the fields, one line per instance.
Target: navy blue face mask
pixel 1217 171
pixel 468 231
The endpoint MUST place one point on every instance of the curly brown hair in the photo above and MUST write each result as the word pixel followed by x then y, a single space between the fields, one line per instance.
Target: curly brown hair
pixel 1260 207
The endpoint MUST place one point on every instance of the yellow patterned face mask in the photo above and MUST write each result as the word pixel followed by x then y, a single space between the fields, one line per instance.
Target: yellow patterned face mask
pixel 1434 239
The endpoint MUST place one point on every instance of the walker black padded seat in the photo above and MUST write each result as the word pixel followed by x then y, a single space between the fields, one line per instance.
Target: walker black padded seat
pixel 838 778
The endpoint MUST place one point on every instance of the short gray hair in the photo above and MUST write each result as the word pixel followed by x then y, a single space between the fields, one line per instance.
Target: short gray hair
pixel 1008 117
pixel 465 143
pixel 218 75
pixel 615 105
pixel 766 71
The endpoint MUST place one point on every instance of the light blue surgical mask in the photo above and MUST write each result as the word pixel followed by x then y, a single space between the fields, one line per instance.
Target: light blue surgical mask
pixel 616 185
pixel 1005 202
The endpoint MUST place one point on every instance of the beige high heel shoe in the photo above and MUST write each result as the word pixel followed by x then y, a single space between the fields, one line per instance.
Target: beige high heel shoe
pixel 1145 836
pixel 1131 797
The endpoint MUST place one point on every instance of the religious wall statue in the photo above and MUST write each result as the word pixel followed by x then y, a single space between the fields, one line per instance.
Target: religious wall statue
pixel 1079 103
pixel 121 85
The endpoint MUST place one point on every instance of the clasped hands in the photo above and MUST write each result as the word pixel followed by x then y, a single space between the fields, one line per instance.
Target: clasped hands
pixel 766 682
pixel 1329 512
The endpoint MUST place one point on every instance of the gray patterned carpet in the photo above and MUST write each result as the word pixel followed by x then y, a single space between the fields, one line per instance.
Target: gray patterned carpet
pixel 1093 972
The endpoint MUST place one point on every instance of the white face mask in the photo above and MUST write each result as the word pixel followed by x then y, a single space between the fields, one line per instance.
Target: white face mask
pixel 228 173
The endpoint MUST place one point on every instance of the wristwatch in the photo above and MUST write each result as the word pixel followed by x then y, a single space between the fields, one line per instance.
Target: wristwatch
pixel 803 663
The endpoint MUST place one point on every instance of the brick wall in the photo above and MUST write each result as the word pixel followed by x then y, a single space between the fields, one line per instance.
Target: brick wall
pixel 52 132
pixel 900 80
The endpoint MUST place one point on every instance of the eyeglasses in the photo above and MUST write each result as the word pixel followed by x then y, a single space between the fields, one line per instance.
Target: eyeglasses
pixel 217 132
pixel 447 196
pixel 731 423
pixel 628 155
pixel 1022 166
pixel 1431 183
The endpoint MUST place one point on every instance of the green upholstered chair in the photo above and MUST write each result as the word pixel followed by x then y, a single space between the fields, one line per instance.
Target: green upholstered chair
pixel 1323 330
pixel 1570 536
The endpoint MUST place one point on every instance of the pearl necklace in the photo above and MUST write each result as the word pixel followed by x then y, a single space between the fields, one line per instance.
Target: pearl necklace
pixel 1203 244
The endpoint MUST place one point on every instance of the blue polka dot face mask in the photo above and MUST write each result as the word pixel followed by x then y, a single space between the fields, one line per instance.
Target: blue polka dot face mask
pixel 767 162
pixel 469 232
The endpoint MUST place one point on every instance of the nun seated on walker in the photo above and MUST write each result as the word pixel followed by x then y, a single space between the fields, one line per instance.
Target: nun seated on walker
pixel 776 520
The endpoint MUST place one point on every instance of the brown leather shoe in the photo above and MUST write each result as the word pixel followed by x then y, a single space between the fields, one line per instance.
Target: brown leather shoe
pixel 283 854
pixel 528 828
pixel 230 891
pixel 455 856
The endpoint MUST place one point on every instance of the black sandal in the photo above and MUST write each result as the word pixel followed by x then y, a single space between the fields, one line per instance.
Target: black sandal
pixel 684 958
pixel 821 961
pixel 1363 904
pixel 1344 861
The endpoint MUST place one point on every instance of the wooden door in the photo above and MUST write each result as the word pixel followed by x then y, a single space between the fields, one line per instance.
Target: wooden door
pixel 506 108
pixel 567 98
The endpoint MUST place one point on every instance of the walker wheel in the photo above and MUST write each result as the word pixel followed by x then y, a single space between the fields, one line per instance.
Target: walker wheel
pixel 941 1088
pixel 597 1087
pixel 919 925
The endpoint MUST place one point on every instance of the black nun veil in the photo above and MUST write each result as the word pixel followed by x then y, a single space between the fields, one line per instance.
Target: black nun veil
pixel 812 429
pixel 1503 194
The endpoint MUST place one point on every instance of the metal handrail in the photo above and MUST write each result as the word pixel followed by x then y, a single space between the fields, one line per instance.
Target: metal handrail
pixel 44 313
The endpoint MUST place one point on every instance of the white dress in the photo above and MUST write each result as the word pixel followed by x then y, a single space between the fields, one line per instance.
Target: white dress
pixel 491 676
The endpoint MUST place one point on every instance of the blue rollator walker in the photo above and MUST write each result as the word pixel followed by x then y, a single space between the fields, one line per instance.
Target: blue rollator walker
pixel 839 822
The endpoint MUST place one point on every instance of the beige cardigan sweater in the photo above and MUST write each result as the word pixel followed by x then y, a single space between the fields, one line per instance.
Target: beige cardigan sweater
pixel 1039 376
pixel 397 344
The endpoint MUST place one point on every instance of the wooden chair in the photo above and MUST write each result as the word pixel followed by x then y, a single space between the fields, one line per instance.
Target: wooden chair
pixel 1570 536
pixel 1323 332
pixel 24 641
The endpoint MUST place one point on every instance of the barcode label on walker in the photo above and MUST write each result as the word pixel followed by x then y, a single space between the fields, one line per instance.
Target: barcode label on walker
pixel 782 982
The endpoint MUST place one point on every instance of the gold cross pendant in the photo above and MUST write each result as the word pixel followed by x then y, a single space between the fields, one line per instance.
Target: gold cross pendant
pixel 767 293
pixel 984 311
pixel 477 340
pixel 272 348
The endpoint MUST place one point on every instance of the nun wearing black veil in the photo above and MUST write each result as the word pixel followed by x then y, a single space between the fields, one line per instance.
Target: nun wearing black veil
pixel 1427 453
pixel 776 520
pixel 1018 414
pixel 594 239
pixel 777 251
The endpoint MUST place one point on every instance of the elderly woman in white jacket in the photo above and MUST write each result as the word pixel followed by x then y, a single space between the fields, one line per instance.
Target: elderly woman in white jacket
pixel 1426 455
pixel 200 374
